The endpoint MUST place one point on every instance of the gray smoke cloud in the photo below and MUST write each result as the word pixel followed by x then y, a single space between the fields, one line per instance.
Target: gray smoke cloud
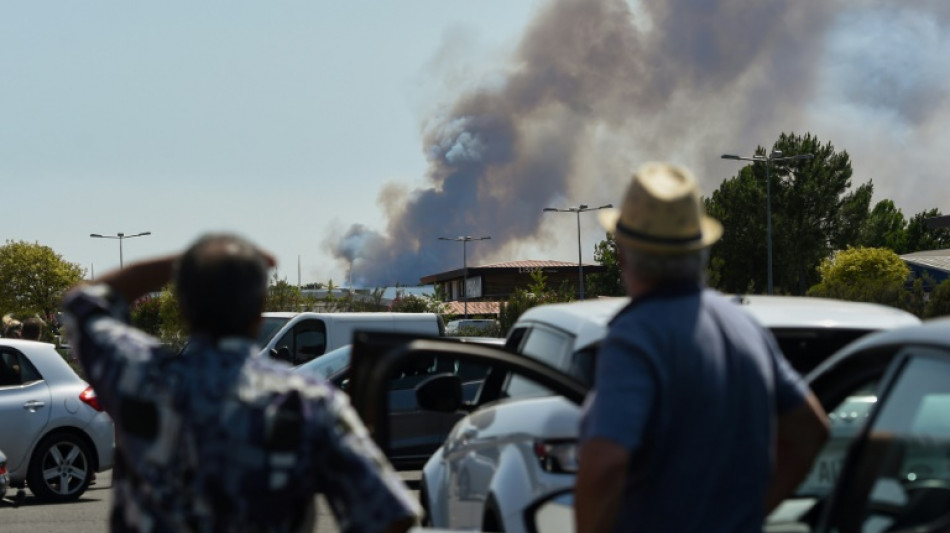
pixel 596 87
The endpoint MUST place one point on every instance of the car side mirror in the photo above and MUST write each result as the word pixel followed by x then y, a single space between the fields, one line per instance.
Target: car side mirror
pixel 442 393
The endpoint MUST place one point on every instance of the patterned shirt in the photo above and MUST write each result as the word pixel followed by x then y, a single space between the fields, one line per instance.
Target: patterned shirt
pixel 217 439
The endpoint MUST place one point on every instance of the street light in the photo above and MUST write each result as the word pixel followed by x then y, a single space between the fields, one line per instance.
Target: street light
pixel 464 240
pixel 580 264
pixel 776 155
pixel 121 237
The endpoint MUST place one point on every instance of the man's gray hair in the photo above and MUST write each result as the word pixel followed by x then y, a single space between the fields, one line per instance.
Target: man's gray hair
pixel 689 266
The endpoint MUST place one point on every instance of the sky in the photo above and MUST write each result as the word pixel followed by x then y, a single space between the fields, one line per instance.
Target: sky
pixel 347 137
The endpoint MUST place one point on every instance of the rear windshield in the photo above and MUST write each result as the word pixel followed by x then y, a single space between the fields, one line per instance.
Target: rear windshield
pixel 806 348
pixel 270 325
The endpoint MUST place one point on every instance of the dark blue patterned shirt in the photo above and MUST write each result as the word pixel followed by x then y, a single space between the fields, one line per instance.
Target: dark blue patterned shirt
pixel 218 439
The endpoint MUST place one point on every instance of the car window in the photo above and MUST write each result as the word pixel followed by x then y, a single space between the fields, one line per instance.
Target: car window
pixel 16 369
pixel 303 342
pixel 901 473
pixel 270 325
pixel 548 346
pixel 310 340
pixel 806 348
pixel 846 420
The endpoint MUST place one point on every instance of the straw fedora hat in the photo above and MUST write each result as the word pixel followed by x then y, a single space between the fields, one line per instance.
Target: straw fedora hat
pixel 662 213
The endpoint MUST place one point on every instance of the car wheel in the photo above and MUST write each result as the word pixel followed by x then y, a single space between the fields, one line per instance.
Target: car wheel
pixel 491 521
pixel 424 501
pixel 60 469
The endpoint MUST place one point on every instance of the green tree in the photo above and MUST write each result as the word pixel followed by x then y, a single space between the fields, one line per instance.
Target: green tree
pixel 939 303
pixel 409 304
pixel 814 211
pixel 884 228
pixel 608 282
pixel 867 275
pixel 919 236
pixel 536 293
pixel 282 296
pixel 146 314
pixel 33 279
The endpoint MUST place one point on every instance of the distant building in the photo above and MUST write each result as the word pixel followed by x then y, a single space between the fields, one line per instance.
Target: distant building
pixel 933 263
pixel 487 285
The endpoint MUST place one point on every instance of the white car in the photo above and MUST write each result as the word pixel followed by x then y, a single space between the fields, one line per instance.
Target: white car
pixel 506 454
pixel 52 430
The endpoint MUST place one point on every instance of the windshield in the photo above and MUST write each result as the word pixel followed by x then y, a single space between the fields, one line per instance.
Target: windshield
pixel 270 325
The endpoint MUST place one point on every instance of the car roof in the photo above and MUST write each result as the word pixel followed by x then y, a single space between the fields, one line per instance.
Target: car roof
pixel 586 320
pixel 775 312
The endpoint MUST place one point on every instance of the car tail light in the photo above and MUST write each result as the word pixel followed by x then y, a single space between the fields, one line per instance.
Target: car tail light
pixel 3 468
pixel 557 456
pixel 89 398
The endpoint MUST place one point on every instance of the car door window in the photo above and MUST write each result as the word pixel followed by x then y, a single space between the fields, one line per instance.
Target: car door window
pixel 310 340
pixel 546 345
pixel 899 478
pixel 305 341
pixel 16 369
pixel 846 421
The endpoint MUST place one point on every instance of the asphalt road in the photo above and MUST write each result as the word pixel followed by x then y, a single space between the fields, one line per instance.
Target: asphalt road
pixel 90 513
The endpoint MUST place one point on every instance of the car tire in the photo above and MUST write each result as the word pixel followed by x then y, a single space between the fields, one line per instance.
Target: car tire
pixel 492 519
pixel 424 502
pixel 61 468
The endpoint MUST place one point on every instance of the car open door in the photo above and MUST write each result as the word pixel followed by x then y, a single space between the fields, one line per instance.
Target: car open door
pixel 378 358
pixel 897 474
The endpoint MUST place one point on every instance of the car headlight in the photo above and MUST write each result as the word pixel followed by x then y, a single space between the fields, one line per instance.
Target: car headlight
pixel 557 456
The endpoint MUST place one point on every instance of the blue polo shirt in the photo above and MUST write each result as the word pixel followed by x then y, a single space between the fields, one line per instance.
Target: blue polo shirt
pixel 690 384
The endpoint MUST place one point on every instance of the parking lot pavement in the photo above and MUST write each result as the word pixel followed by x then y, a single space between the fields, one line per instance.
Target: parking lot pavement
pixel 90 513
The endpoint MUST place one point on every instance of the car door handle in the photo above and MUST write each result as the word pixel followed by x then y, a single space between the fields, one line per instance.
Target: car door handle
pixel 33 405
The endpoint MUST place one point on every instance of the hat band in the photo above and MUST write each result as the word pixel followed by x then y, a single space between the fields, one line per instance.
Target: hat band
pixel 634 234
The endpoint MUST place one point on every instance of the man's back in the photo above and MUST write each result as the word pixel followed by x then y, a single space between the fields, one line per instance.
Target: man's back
pixel 217 439
pixel 700 430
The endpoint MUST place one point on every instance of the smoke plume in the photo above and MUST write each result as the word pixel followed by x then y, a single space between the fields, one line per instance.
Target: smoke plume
pixel 596 87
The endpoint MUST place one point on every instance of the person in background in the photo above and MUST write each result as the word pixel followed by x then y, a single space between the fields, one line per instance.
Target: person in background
pixel 12 328
pixel 217 439
pixel 696 421
pixel 33 329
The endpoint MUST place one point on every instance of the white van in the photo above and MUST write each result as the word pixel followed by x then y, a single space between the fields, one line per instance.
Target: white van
pixel 300 337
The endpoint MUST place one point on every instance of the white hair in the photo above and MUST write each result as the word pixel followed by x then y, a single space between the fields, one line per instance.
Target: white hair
pixel 688 266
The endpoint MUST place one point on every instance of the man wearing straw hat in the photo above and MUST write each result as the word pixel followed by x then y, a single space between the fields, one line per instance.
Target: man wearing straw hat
pixel 696 421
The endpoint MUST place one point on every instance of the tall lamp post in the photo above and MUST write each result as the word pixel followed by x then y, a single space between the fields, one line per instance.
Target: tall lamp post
pixel 580 264
pixel 464 240
pixel 121 237
pixel 775 155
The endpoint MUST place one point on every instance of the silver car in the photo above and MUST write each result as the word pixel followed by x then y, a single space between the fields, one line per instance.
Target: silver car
pixel 52 430
pixel 505 454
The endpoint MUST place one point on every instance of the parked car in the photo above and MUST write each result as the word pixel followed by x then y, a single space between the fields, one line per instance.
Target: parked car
pixel 485 475
pixel 300 337
pixel 417 433
pixel 895 475
pixel 54 434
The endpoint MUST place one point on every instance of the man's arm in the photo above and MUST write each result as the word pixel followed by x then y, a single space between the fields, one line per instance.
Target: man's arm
pixel 141 278
pixel 800 434
pixel 600 482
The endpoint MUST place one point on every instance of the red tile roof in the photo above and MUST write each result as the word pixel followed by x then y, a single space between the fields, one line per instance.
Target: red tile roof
pixel 530 263
pixel 474 308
